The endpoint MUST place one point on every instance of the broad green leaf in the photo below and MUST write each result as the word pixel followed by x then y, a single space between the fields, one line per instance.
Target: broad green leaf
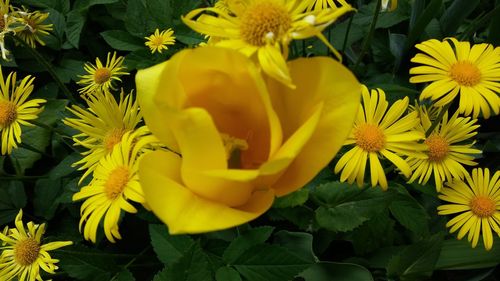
pixel 143 17
pixel 423 20
pixel 46 193
pixel 459 254
pixel 409 212
pixel 122 40
pixel 65 167
pixel 227 273
pixel 12 198
pixel 124 275
pixel 455 15
pixel 329 271
pixel 373 234
pixel 301 216
pixel 416 261
pixel 74 26
pixel 269 262
pixel 69 70
pixel 168 248
pixel 293 199
pixel 84 263
pixel 192 266
pixel 245 241
pixel 300 243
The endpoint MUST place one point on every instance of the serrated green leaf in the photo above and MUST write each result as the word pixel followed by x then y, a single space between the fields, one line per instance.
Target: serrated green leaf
pixel 300 243
pixel 293 199
pixel 168 248
pixel 87 264
pixel 143 17
pixel 269 262
pixel 245 241
pixel 328 271
pixel 373 234
pixel 409 213
pixel 192 266
pixel 227 273
pixel 122 40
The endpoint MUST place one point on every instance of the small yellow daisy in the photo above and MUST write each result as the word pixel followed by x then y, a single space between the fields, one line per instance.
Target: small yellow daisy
pixel 15 110
pixel 325 4
pixel 23 253
pixel 475 204
pixel 158 41
pixel 454 68
pixel 446 149
pixel 34 28
pixel 100 77
pixel 379 132
pixel 102 126
pixel 115 182
pixel 264 28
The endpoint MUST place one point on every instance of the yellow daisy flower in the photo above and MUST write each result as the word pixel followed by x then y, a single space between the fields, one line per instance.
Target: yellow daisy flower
pixel 379 132
pixel 34 28
pixel 475 204
pixel 102 126
pixel 325 4
pixel 100 77
pixel 158 41
pixel 23 253
pixel 445 150
pixel 15 110
pixel 263 28
pixel 115 182
pixel 453 68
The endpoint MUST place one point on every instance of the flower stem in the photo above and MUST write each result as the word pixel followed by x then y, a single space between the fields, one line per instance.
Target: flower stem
pixel 438 119
pixel 48 67
pixel 368 39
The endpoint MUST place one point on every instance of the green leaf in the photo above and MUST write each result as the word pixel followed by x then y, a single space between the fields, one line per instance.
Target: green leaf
pixel 168 248
pixel 293 199
pixel 143 17
pixel 347 207
pixel 328 271
pixel 373 234
pixel 12 198
pixel 269 262
pixel 227 273
pixel 409 213
pixel 416 261
pixel 84 263
pixel 300 243
pixel 423 20
pixel 75 20
pixel 65 167
pixel 245 241
pixel 455 15
pixel 122 40
pixel 459 254
pixel 192 266
pixel 46 193
pixel 69 69
pixel 125 275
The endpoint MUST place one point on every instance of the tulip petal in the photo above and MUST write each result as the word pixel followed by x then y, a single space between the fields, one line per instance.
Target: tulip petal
pixel 318 80
pixel 182 210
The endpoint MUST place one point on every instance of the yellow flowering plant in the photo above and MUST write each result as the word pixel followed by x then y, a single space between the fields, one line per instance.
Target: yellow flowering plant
pixel 249 140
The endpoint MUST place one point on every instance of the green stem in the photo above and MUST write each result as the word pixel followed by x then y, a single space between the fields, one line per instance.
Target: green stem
pixel 438 119
pixel 132 261
pixel 48 67
pixel 346 36
pixel 368 39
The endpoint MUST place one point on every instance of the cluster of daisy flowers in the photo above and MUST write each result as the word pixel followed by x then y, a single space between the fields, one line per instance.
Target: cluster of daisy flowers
pixel 25 25
pixel 428 141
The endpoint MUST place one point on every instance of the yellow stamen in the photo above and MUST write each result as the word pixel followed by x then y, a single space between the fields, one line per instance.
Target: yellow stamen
pixel 264 20
pixel 26 251
pixel 370 137
pixel 232 144
pixel 117 180
pixel 102 75
pixel 483 206
pixel 465 73
pixel 8 113
pixel 112 138
pixel 438 147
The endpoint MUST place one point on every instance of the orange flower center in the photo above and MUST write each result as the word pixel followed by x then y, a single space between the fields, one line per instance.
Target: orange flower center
pixel 483 206
pixel 465 73
pixel 370 137
pixel 438 147
pixel 264 21
pixel 113 138
pixel 8 113
pixel 2 22
pixel 102 75
pixel 26 251
pixel 117 180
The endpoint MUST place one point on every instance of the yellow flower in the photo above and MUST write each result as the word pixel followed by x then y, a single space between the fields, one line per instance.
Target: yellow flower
pixel 475 204
pixel 445 150
pixel 115 183
pixel 454 68
pixel 379 132
pixel 263 28
pixel 102 126
pixel 389 5
pixel 33 27
pixel 159 41
pixel 15 110
pixel 325 4
pixel 100 77
pixel 243 139
pixel 23 253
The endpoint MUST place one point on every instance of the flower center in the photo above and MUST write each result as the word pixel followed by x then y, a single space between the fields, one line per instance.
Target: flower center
pixel 233 147
pixel 113 138
pixel 438 147
pixel 370 137
pixel 117 180
pixel 483 206
pixel 8 113
pixel 264 21
pixel 465 73
pixel 26 251
pixel 102 75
